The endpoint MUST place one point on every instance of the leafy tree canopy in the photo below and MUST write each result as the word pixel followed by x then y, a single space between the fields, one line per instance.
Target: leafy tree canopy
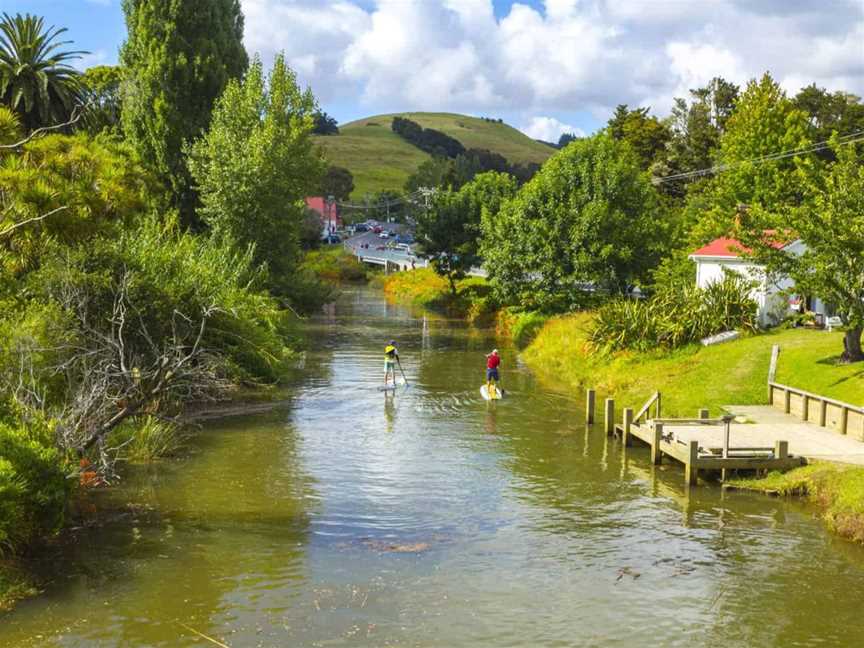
pixel 589 218
pixel 338 182
pixel 178 57
pixel 256 164
pixel 325 124
pixel 101 90
pixel 646 134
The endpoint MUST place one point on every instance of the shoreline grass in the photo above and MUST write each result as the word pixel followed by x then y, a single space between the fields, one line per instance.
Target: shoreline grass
pixel 425 289
pixel 836 490
pixel 14 586
pixel 693 377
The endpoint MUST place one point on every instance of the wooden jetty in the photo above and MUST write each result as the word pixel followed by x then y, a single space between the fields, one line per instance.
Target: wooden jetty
pixel 674 439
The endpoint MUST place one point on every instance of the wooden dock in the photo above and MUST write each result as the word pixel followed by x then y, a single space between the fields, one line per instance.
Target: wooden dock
pixel 682 440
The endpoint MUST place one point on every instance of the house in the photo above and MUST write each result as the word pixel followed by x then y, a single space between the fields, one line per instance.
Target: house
pixel 328 211
pixel 772 294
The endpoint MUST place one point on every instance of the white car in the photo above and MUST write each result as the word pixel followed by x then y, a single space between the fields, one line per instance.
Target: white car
pixel 384 235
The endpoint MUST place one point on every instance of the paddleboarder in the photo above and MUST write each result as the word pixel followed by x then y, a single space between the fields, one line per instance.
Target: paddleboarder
pixel 493 360
pixel 391 358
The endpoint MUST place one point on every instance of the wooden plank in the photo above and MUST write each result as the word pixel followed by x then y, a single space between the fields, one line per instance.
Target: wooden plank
pixel 833 401
pixel 747 463
pixel 656 452
pixel 628 423
pixel 688 421
pixel 691 467
pixel 772 371
pixel 646 407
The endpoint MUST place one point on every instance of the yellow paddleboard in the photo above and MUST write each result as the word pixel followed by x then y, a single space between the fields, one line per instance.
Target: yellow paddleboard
pixel 497 393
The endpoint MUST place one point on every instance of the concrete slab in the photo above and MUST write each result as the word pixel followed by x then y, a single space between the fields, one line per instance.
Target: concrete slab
pixel 769 425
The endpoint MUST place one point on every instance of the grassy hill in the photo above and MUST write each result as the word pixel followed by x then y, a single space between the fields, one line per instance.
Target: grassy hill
pixel 380 159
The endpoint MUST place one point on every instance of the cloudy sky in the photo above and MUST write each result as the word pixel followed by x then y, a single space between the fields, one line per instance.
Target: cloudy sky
pixel 544 66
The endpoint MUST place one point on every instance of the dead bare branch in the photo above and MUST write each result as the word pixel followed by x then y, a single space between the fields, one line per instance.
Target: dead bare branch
pixel 6 232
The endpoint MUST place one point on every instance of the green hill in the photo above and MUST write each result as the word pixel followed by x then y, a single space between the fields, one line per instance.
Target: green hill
pixel 380 159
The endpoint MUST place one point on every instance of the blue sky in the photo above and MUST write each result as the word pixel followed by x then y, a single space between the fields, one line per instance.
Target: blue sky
pixel 545 66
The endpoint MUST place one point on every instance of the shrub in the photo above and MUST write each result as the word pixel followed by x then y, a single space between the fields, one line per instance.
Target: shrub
pixel 146 439
pixel 33 488
pixel 674 318
pixel 334 265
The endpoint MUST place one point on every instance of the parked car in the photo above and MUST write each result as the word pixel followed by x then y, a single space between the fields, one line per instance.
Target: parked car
pixel 405 239
pixel 361 227
pixel 377 229
pixel 384 235
pixel 403 246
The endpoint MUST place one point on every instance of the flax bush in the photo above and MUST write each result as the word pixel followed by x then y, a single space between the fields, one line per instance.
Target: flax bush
pixel 674 318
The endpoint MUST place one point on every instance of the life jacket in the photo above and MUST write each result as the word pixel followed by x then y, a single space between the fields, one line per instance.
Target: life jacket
pixel 390 352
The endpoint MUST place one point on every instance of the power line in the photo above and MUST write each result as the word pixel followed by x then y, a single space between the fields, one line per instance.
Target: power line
pixel 851 138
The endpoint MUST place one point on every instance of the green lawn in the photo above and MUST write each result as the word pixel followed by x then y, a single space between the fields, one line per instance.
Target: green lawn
pixel 379 159
pixel 734 373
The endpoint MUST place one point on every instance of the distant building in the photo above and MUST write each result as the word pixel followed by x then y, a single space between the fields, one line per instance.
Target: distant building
pixel 773 294
pixel 328 211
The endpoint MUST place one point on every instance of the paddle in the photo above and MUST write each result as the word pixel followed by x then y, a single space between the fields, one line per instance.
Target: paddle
pixel 404 377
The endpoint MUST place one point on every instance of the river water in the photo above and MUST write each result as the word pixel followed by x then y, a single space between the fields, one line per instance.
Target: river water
pixel 432 518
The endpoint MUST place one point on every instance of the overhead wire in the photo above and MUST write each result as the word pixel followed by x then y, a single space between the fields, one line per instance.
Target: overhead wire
pixel 850 138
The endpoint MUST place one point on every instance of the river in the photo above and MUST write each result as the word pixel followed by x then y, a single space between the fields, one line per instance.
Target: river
pixel 432 518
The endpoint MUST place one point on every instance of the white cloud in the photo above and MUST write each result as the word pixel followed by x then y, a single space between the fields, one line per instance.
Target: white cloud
pixel 549 129
pixel 573 55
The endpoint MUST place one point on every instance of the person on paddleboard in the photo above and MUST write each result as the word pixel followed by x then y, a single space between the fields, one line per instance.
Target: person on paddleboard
pixel 391 357
pixel 492 362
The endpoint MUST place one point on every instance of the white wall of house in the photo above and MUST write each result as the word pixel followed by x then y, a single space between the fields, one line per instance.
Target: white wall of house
pixel 773 304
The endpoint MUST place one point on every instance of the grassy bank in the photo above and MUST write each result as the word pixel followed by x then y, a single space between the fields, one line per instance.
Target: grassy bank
pixel 426 289
pixel 334 264
pixel 836 490
pixel 694 377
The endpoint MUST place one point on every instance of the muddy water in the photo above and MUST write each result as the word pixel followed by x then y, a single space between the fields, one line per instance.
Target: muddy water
pixel 433 518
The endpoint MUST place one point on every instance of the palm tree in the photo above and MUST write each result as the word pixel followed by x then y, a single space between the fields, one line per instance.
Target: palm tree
pixel 35 80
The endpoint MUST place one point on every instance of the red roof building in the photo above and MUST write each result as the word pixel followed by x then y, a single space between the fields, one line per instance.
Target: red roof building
pixel 328 210
pixel 729 248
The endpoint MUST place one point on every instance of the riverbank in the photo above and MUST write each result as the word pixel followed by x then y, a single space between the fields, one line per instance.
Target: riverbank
pixel 836 490
pixel 472 301
pixel 14 586
pixel 694 377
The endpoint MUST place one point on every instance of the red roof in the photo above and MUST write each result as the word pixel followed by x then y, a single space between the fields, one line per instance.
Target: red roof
pixel 732 248
pixel 327 210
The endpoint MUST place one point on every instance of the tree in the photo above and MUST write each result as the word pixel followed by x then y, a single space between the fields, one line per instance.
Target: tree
pixel 338 182
pixel 565 139
pixel 449 229
pixel 325 124
pixel 255 165
pixel 101 90
pixel 646 134
pixel 827 113
pixel 765 122
pixel 35 79
pixel 831 227
pixel 434 172
pixel 588 220
pixel 178 57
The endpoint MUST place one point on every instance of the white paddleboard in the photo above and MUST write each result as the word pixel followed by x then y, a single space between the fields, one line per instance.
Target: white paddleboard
pixel 387 388
pixel 497 393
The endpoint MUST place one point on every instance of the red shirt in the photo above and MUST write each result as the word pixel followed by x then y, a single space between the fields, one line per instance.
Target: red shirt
pixel 493 361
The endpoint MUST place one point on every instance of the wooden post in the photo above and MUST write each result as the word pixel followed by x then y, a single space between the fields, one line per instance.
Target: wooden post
pixel 703 413
pixel 628 421
pixel 691 472
pixel 844 420
pixel 823 412
pixel 609 413
pixel 781 449
pixel 658 405
pixel 805 407
pixel 589 406
pixel 656 455
pixel 772 371
pixel 787 400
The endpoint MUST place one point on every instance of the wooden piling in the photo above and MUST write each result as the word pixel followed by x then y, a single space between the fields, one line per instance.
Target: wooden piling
pixel 691 470
pixel 656 454
pixel 589 406
pixel 609 415
pixel 628 421
pixel 781 449
pixel 787 401
pixel 703 413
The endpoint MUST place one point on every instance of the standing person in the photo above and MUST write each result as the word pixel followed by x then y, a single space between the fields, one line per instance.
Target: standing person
pixel 493 360
pixel 391 357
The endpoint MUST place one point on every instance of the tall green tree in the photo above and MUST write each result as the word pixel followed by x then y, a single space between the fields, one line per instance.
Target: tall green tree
pixel 449 230
pixel 765 122
pixel 831 227
pixel 254 166
pixel 101 89
pixel 338 182
pixel 828 113
pixel 179 57
pixel 589 218
pixel 646 134
pixel 35 78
